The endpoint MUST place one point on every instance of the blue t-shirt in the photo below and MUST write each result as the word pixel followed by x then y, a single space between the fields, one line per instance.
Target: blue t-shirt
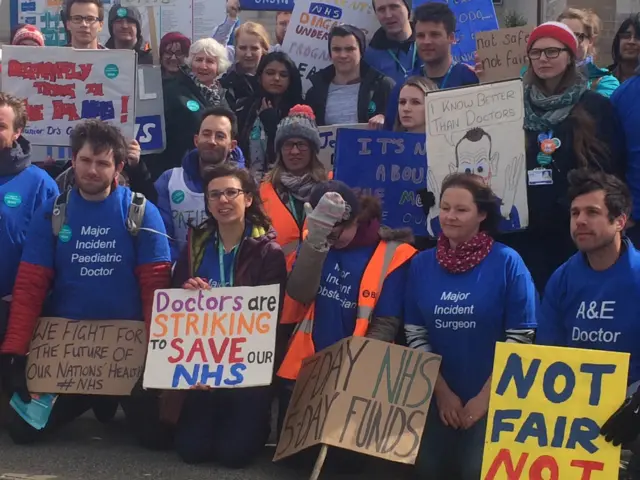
pixel 20 196
pixel 209 268
pixel 584 308
pixel 465 314
pixel 95 257
pixel 336 304
pixel 505 225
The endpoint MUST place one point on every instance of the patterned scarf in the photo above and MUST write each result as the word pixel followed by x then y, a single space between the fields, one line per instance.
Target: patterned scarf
pixel 542 113
pixel 298 186
pixel 465 256
pixel 212 94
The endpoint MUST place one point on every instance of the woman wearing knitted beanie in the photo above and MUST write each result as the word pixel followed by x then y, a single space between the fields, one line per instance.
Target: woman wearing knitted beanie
pixel 567 126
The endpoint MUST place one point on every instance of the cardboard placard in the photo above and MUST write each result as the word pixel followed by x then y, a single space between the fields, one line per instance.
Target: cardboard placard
pixel 224 337
pixel 502 53
pixel 64 86
pixel 328 137
pixel 362 395
pixel 546 408
pixel 95 357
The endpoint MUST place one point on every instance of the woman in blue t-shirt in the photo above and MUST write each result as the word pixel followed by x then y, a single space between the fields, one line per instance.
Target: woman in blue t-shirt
pixel 462 297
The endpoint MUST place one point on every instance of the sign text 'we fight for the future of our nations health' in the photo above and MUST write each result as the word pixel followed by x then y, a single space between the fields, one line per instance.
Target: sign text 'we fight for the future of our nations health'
pixel 222 338
pixel 362 395
pixel 546 408
pixel 63 86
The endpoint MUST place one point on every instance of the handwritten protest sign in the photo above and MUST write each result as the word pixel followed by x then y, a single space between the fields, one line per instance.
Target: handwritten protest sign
pixel 307 36
pixel 64 86
pixel 545 412
pixel 389 165
pixel 101 357
pixel 223 338
pixel 479 130
pixel 472 16
pixel 362 395
pixel 328 142
pixel 502 53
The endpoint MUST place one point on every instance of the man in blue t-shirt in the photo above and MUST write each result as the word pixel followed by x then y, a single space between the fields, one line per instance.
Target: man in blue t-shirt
pixel 435 28
pixel 591 301
pixel 89 258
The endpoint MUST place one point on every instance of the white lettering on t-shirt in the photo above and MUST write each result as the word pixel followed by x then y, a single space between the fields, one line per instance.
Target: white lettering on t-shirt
pixel 449 309
pixel 454 296
pixel 601 335
pixel 333 290
pixel 96 259
pixel 455 324
pixel 593 311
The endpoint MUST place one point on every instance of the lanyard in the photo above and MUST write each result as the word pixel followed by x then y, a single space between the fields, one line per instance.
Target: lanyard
pixel 292 207
pixel 412 52
pixel 221 263
pixel 443 85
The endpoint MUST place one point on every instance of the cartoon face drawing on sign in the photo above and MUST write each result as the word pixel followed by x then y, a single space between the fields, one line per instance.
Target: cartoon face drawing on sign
pixel 474 155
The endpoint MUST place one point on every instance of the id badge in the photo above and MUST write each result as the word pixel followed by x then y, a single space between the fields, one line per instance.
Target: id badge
pixel 540 176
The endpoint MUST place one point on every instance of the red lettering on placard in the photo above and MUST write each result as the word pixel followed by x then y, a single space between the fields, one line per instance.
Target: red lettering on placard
pixel 49 71
pixel 55 89
pixel 504 457
pixel 587 467
pixel 62 109
pixel 95 89
pixel 35 112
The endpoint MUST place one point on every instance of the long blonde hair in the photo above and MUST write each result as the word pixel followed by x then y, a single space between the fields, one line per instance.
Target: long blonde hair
pixel 421 83
pixel 252 28
pixel 591 24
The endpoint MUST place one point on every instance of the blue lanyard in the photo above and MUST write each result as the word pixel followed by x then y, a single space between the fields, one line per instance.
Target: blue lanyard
pixel 443 85
pixel 412 52
pixel 223 274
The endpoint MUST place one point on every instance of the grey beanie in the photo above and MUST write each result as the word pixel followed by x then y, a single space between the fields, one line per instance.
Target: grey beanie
pixel 300 123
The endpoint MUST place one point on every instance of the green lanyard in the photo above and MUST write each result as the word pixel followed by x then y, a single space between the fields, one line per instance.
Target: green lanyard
pixel 413 60
pixel 221 262
pixel 292 207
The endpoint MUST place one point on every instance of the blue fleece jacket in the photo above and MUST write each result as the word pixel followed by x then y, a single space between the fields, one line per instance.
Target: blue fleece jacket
pixel 21 194
pixel 626 102
pixel 193 180
pixel 460 75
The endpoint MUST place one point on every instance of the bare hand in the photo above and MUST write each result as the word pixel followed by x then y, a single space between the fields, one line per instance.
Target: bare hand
pixel 479 69
pixel 133 153
pixel 377 122
pixel 475 410
pixel 196 283
pixel 201 387
pixel 450 407
pixel 265 105
pixel 233 8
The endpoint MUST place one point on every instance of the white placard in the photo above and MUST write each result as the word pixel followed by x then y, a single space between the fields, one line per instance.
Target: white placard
pixel 307 36
pixel 479 130
pixel 328 142
pixel 222 338
pixel 64 85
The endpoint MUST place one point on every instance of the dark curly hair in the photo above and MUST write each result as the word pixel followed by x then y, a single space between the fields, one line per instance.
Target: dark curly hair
pixel 102 137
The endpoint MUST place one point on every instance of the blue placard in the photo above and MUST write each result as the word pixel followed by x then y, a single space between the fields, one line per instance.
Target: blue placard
pixel 389 165
pixel 149 132
pixel 267 5
pixel 472 16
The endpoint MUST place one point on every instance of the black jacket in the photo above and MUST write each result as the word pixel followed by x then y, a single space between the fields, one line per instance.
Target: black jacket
pixel 372 96
pixel 238 86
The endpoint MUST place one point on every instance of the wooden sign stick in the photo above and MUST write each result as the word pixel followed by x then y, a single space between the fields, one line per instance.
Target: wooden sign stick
pixel 322 456
pixel 153 32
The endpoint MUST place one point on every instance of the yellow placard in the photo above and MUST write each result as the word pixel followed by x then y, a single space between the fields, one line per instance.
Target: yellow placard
pixel 547 405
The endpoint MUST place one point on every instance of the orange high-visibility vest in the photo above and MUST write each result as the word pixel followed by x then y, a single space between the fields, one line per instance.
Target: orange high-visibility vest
pixel 288 236
pixel 386 258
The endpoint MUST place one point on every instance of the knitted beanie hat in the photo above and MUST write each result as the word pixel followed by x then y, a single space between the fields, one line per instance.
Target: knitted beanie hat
pixel 28 32
pixel 300 123
pixel 119 12
pixel 174 37
pixel 556 30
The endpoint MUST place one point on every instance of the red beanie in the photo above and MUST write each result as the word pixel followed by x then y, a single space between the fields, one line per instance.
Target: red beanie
pixel 174 37
pixel 28 32
pixel 556 30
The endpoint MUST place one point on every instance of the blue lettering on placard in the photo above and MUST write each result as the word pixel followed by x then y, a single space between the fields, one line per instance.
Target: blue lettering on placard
pixel 148 132
pixel 28 6
pixel 328 11
pixel 389 165
pixel 204 375
pixel 270 5
pixel 555 370
pixel 513 370
pixel 596 382
pixel 98 109
pixel 500 425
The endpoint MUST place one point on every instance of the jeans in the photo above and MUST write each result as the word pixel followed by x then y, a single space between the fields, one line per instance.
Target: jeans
pixel 446 453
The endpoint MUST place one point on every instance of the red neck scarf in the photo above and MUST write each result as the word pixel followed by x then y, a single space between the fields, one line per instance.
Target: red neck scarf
pixel 466 255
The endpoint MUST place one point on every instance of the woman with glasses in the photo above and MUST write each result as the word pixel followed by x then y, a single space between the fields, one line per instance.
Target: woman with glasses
pixel 174 48
pixel 280 88
pixel 625 50
pixel 567 126
pixel 234 247
pixel 586 26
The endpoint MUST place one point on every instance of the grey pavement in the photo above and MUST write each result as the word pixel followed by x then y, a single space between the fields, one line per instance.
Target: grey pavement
pixel 88 450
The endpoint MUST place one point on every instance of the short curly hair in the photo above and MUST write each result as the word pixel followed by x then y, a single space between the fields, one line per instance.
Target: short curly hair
pixel 19 109
pixel 102 137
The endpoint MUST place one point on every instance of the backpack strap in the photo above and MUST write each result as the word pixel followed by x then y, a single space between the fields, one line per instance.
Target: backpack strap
pixel 59 214
pixel 135 216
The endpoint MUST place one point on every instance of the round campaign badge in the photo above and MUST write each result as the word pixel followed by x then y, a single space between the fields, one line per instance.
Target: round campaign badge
pixel 372 107
pixel 122 12
pixel 193 105
pixel 548 146
pixel 255 133
pixel 111 71
pixel 543 159
pixel 556 142
pixel 12 199
pixel 65 234
pixel 177 197
pixel 542 137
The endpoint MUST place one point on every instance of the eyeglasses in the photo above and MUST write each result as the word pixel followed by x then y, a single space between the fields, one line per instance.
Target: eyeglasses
pixel 178 55
pixel 229 193
pixel 79 19
pixel 628 36
pixel 580 36
pixel 302 146
pixel 551 52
